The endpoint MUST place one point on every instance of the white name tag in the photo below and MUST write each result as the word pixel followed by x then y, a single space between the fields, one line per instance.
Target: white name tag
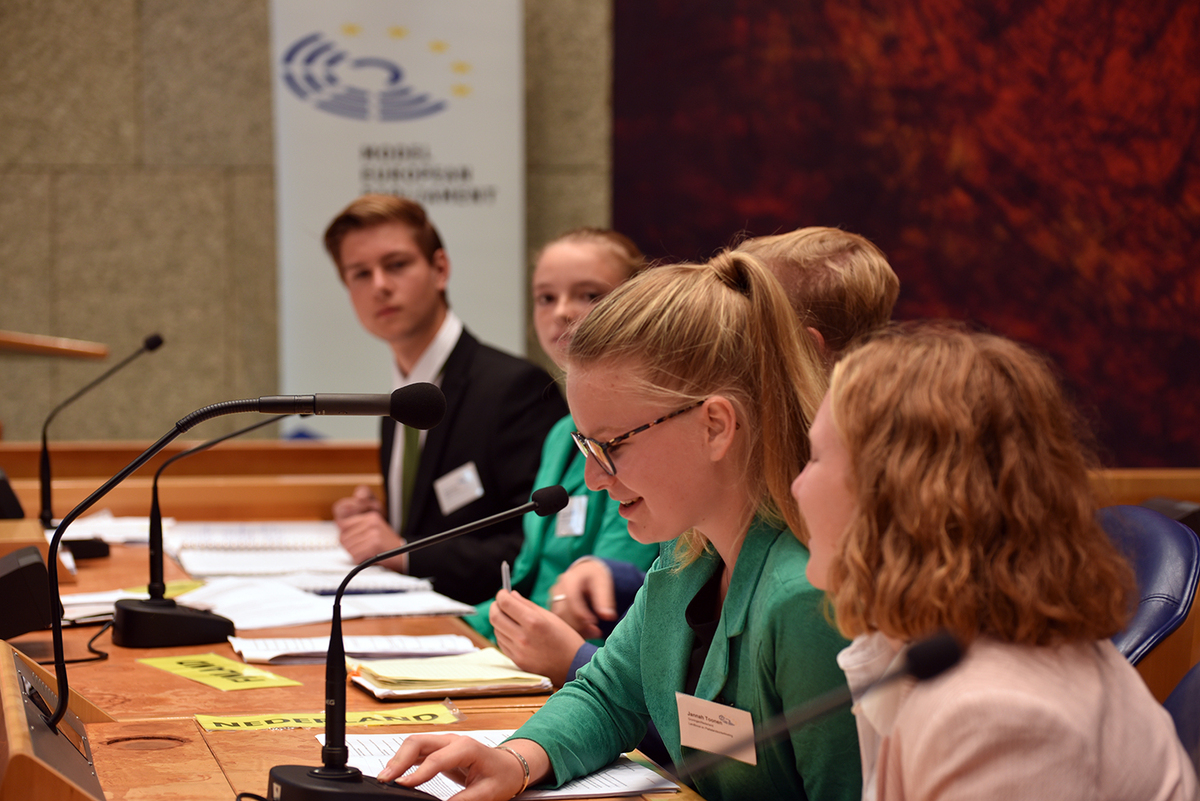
pixel 572 520
pixel 458 488
pixel 716 728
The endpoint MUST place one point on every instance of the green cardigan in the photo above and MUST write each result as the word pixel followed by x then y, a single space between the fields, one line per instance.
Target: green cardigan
pixel 774 649
pixel 544 555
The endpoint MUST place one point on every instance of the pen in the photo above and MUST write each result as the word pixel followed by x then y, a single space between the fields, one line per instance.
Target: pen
pixel 505 576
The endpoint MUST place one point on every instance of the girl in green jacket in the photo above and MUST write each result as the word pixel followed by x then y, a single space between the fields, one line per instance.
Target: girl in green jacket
pixel 692 391
pixel 572 273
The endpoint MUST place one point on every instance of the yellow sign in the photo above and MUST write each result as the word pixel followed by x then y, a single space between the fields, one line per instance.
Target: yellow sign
pixel 424 714
pixel 218 671
pixel 173 588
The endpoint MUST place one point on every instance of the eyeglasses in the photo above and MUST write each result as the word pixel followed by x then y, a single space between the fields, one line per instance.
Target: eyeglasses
pixel 599 450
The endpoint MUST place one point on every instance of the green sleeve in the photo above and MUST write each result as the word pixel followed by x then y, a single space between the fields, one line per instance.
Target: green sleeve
pixel 602 713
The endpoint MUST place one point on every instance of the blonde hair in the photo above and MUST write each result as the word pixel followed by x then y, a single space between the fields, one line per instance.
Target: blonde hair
pixel 620 248
pixel 974 508
pixel 691 331
pixel 838 282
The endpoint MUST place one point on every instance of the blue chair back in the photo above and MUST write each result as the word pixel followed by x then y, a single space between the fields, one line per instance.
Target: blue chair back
pixel 1184 705
pixel 1165 555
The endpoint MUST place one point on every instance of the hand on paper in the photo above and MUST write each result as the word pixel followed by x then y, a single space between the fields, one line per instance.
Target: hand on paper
pixel 487 774
pixel 587 596
pixel 532 637
pixel 362 529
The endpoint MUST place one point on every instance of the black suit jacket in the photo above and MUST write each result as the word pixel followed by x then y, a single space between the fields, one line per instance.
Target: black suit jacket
pixel 499 409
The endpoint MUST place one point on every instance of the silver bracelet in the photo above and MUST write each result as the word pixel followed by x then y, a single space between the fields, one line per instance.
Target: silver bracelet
pixel 524 766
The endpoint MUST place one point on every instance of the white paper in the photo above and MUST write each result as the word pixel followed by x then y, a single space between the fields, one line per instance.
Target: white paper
pixel 293 650
pixel 405 604
pixel 370 752
pixel 374 579
pixel 262 536
pixel 261 603
pixel 94 606
pixel 111 529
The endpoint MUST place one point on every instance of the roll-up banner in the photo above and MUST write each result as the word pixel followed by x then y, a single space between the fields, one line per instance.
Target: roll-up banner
pixel 421 99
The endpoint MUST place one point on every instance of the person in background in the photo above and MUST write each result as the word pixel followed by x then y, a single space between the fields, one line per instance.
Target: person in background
pixel 692 389
pixel 482 458
pixel 841 288
pixel 839 284
pixel 571 274
pixel 948 488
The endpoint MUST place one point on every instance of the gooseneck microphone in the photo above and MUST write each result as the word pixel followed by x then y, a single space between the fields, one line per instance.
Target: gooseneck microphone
pixel 157 621
pixel 923 660
pixel 335 779
pixel 152 342
pixel 415 405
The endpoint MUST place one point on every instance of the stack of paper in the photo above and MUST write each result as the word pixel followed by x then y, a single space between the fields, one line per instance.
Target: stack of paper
pixel 482 672
pixel 306 555
pixel 307 650
pixel 264 536
pixel 116 530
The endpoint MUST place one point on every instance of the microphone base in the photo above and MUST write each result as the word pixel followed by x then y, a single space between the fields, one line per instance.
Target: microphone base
pixel 304 783
pixel 162 623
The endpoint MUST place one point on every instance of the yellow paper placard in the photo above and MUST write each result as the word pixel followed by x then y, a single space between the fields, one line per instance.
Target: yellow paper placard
pixel 218 671
pixel 424 714
pixel 173 588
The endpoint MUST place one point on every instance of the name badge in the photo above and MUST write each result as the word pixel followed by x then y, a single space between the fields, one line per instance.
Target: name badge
pixel 458 488
pixel 716 728
pixel 572 520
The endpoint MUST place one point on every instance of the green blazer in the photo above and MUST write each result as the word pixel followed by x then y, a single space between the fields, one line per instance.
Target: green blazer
pixel 774 649
pixel 544 555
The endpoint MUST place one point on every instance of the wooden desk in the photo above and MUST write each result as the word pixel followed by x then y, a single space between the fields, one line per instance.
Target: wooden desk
pixel 129 690
pixel 155 749
pixel 172 758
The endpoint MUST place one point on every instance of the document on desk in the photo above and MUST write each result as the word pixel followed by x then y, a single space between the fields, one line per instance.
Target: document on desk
pixel 319 572
pixel 370 752
pixel 482 672
pixel 310 650
pixel 82 608
pixel 259 603
pixel 94 607
pixel 112 529
pixel 312 535
pixel 307 555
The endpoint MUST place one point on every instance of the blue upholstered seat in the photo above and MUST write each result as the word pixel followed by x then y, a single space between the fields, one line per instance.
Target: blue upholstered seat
pixel 1165 555
pixel 1184 705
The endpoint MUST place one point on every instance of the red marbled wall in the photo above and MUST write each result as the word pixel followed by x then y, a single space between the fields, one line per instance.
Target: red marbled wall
pixel 1029 166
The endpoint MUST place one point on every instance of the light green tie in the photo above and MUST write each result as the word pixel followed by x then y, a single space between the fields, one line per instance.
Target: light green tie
pixel 412 455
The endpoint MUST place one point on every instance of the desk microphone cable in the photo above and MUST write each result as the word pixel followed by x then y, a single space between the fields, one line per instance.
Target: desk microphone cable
pixel 100 656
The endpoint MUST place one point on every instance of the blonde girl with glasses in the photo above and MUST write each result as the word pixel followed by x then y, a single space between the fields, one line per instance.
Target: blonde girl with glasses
pixel 726 627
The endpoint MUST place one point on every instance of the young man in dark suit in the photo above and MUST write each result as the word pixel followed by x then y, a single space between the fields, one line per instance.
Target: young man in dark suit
pixel 483 456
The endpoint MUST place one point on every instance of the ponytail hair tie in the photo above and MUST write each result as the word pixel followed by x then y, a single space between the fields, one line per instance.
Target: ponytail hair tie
pixel 730 269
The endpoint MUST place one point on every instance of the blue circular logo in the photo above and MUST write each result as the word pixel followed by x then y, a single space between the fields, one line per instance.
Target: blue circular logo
pixel 317 71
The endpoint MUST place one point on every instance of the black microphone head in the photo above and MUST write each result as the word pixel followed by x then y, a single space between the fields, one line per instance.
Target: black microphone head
pixel 549 500
pixel 418 405
pixel 153 342
pixel 932 656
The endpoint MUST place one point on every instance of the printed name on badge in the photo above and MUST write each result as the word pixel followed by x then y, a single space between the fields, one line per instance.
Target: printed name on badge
pixel 716 728
pixel 458 488
pixel 572 520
